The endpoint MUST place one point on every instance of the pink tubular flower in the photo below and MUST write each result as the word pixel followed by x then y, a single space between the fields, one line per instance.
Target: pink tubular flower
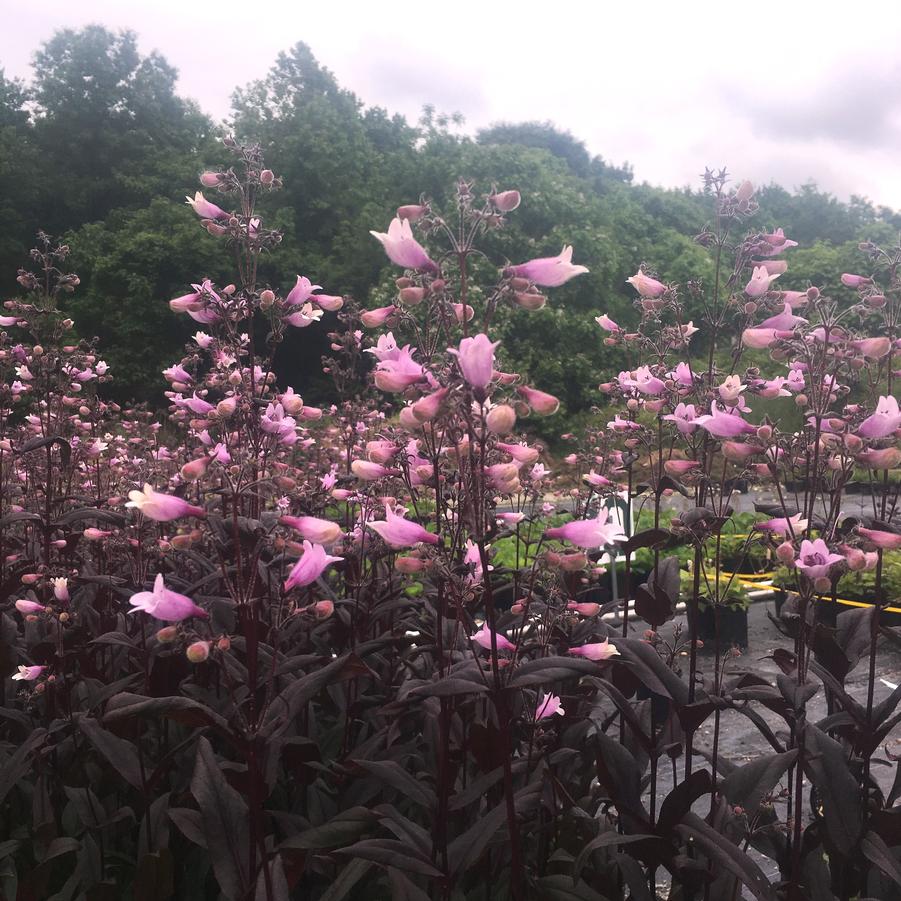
pixel 886 419
pixel 475 358
pixel 161 507
pixel 28 673
pixel 792 525
pixel 549 272
pixel 483 639
pixel 784 320
pixel 682 375
pixel 601 650
pixel 647 383
pixel 645 285
pixel 506 201
pixel 369 472
pixel 204 208
pixel 680 467
pixel 302 291
pixel 815 559
pixel 548 705
pixel 542 403
pixel 25 607
pixel 760 282
pixel 312 563
pixel 723 425
pixel 778 243
pixel 375 318
pixel 763 337
pixel 164 604
pixel 402 248
pixel 889 541
pixel 399 371
pixel 320 531
pixel 885 458
pixel 305 316
pixel 606 323
pixel 399 532
pixel 855 281
pixel 873 348
pixel 685 417
pixel 589 533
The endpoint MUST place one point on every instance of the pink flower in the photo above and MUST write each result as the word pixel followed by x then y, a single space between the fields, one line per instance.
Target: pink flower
pixel 321 531
pixel 483 639
pixel 762 337
pixel 589 533
pixel 885 458
pixel 402 248
pixel 398 372
pixel 685 417
pixel 312 563
pixel 873 348
pixel 548 705
pixel 601 650
pixel 682 375
pixel 506 201
pixel 680 467
pixel 647 383
pixel 784 320
pixel 723 425
pixel 889 541
pixel 399 532
pixel 28 673
pixel 886 419
pixel 161 507
pixel 760 282
pixel 773 388
pixel 369 472
pixel 645 285
pixel 375 318
pixel 305 316
pixel 606 323
pixel 521 453
pixel 164 604
pixel 302 291
pixel 793 525
pixel 549 272
pixel 815 559
pixel 475 358
pixel 543 404
pixel 204 208
pixel 25 607
pixel 778 243
pixel 855 281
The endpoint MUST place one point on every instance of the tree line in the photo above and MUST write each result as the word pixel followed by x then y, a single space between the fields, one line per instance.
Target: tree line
pixel 98 148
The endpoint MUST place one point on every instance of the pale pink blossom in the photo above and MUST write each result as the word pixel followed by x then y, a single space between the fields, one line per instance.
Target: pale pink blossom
pixel 542 403
pixel 760 282
pixel 312 563
pixel 723 425
pixel 645 285
pixel 165 604
pixel 204 208
pixel 601 650
pixel 884 421
pixel 815 559
pixel 159 506
pixel 889 541
pixel 28 673
pixel 684 416
pixel 475 357
pixel 402 248
pixel 483 639
pixel 589 533
pixel 399 532
pixel 606 323
pixel 549 272
pixel 302 291
pixel 548 705
pixel 792 525
pixel 320 531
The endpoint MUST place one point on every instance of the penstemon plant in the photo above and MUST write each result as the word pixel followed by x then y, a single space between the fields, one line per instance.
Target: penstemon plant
pixel 394 648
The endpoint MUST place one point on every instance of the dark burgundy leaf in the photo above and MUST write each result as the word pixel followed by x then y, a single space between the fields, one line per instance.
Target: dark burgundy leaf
pixel 119 753
pixel 647 538
pixel 224 816
pixel 388 852
pixel 679 801
pixel 343 829
pixel 746 786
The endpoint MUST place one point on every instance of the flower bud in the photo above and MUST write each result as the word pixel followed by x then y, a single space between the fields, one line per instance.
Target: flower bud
pixel 267 298
pixel 167 634
pixel 224 643
pixel 765 432
pixel 501 419
pixel 323 609
pixel 822 585
pixel 411 296
pixel 198 651
pixel 786 553
pixel 267 176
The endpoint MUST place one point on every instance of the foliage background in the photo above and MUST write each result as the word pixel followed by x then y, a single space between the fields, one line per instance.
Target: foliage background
pixel 99 148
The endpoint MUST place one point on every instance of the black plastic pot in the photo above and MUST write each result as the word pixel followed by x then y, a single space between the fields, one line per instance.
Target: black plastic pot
pixel 733 625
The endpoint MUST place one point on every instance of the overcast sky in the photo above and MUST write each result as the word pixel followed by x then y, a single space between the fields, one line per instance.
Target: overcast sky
pixel 784 92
